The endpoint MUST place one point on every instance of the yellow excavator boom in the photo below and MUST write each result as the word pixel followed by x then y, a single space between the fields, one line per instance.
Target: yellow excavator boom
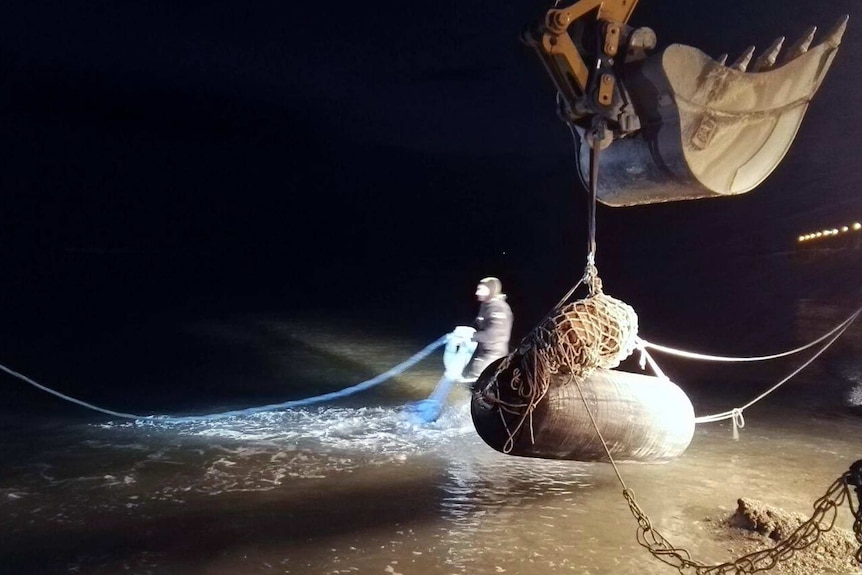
pixel 564 62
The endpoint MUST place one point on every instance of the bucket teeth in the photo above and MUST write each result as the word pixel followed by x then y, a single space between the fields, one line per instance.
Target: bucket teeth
pixel 767 60
pixel 837 32
pixel 800 47
pixel 741 63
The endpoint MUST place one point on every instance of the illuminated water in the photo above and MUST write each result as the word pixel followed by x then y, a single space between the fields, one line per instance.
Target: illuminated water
pixel 355 486
pixel 358 487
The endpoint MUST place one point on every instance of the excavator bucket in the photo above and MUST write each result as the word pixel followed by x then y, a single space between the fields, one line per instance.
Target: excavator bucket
pixel 676 124
pixel 708 129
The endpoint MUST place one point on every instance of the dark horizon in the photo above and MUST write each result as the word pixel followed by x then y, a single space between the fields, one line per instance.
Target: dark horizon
pixel 162 157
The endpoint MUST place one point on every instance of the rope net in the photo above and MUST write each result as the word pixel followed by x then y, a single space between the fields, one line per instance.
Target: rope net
pixel 598 331
pixel 574 339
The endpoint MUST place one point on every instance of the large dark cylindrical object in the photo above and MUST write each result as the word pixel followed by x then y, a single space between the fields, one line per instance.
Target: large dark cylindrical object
pixel 642 418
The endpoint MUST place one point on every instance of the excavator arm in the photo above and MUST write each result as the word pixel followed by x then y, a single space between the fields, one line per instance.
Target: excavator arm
pixel 603 24
pixel 675 124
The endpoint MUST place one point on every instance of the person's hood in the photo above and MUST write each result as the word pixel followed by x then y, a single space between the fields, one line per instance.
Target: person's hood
pixel 495 287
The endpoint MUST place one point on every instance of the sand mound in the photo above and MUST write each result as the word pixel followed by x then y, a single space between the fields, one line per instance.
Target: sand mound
pixel 755 526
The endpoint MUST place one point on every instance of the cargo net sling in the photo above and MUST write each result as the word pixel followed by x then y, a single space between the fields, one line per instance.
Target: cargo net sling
pixel 598 331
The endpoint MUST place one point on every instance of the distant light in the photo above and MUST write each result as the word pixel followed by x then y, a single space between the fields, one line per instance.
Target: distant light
pixel 855 226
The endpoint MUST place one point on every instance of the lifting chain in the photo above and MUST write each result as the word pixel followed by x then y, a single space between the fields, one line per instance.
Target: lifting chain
pixel 537 356
pixel 854 477
pixel 821 521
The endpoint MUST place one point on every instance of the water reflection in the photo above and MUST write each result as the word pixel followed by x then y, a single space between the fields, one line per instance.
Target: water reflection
pixel 345 489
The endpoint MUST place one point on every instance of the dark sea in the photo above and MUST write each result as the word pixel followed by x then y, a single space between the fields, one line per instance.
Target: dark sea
pixel 354 485
pixel 214 206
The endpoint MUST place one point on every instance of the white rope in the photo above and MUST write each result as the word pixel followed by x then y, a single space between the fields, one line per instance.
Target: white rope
pixel 736 413
pixel 840 328
pixel 647 358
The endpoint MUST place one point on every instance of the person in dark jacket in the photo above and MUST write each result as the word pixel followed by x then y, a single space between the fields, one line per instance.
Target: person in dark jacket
pixel 493 327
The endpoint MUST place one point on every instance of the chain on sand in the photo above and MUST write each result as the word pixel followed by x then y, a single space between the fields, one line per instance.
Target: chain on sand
pixel 857 524
pixel 597 331
pixel 823 520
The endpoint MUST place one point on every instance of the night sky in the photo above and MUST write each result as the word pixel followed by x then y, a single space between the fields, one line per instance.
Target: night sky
pixel 301 151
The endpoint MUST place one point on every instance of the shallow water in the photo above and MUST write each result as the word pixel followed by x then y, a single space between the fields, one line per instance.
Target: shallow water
pixel 360 487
